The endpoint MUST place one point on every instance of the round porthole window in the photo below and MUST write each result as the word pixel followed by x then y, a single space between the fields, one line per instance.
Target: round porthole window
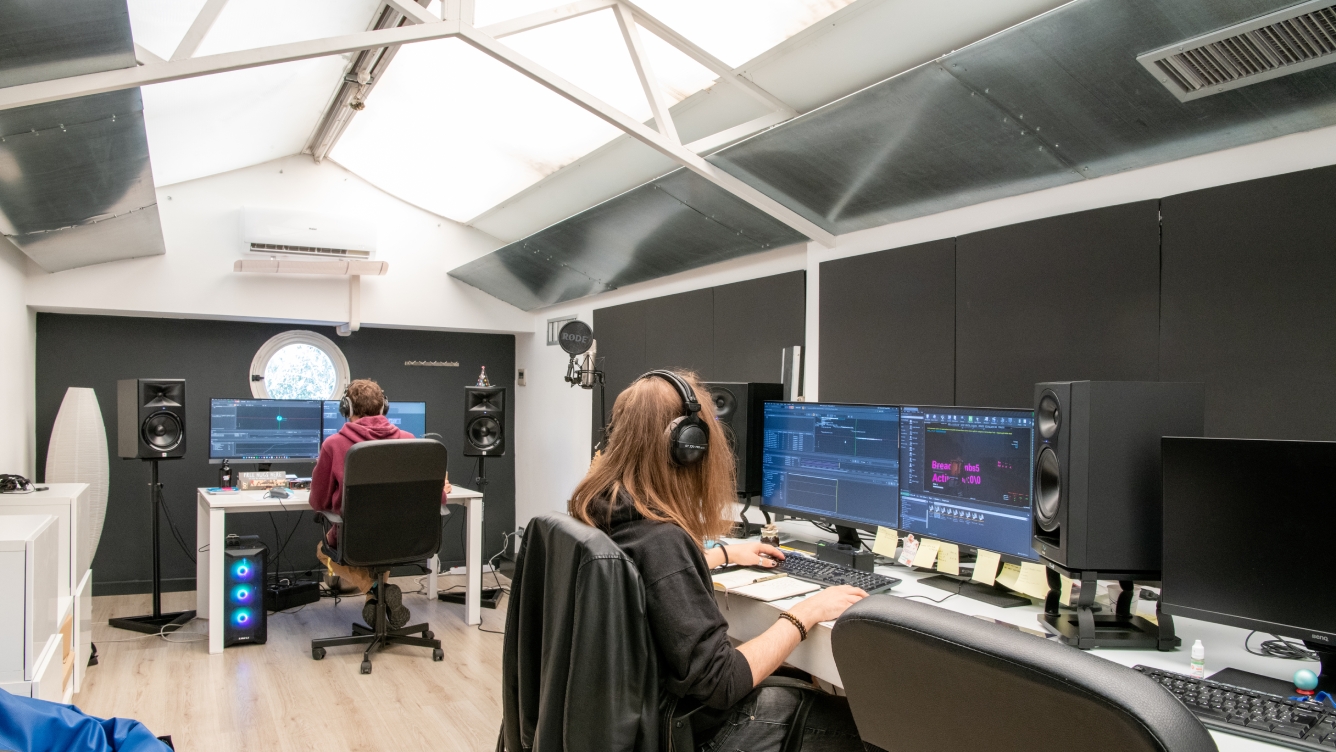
pixel 299 365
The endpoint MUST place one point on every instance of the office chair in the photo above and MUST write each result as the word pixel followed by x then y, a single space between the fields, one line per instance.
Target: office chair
pixel 391 516
pixel 924 678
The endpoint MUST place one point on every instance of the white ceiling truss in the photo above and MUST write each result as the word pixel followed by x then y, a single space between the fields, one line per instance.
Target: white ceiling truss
pixel 457 23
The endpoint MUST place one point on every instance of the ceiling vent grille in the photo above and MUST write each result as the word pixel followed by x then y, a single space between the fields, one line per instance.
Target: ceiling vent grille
pixel 306 250
pixel 1277 44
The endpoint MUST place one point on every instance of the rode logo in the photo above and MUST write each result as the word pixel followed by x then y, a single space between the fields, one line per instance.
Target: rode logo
pixel 567 336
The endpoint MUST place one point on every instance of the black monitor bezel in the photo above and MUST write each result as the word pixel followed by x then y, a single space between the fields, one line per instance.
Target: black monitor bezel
pixel 276 461
pixel 970 547
pixel 827 519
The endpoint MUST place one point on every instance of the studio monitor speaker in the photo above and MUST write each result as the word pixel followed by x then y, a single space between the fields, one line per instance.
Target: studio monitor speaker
pixel 738 405
pixel 1097 487
pixel 151 418
pixel 246 620
pixel 484 421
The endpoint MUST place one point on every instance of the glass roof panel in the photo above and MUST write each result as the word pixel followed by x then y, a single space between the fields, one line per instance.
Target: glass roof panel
pixel 245 24
pixel 159 24
pixel 455 132
pixel 589 52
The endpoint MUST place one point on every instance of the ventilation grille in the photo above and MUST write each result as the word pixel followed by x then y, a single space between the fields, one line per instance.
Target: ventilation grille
pixel 306 250
pixel 1278 44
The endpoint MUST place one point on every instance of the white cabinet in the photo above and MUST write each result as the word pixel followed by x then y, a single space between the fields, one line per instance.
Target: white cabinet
pixel 29 588
pixel 69 503
pixel 46 682
pixel 83 628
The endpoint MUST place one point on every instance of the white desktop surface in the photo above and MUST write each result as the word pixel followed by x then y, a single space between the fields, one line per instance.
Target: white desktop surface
pixel 210 532
pixel 747 618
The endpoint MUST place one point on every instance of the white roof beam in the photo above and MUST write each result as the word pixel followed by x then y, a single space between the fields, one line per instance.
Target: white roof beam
pixel 460 10
pixel 545 17
pixel 736 133
pixel 199 28
pixel 412 11
pixel 658 103
pixel 645 135
pixel 146 56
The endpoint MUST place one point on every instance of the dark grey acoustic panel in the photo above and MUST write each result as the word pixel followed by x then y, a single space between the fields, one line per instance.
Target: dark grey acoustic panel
pixel 679 332
pixel 888 326
pixel 1066 298
pixel 1249 304
pixel 753 322
pixel 620 333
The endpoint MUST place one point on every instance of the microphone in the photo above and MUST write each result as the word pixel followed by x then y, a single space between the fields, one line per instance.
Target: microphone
pixel 587 368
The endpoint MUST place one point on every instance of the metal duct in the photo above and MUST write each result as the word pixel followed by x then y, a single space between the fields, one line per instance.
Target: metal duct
pixel 76 187
pixel 1057 99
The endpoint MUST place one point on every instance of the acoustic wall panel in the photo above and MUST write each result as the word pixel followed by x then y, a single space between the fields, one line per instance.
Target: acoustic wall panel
pixel 1249 304
pixel 888 326
pixel 1071 297
pixel 753 322
pixel 620 333
pixel 679 331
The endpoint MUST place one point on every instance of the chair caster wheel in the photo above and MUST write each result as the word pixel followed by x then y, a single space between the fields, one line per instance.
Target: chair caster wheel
pixel 438 655
pixel 427 634
pixel 366 667
pixel 317 653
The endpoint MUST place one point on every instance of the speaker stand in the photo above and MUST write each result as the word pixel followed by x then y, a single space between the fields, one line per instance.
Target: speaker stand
pixel 1122 629
pixel 749 528
pixel 491 597
pixel 156 622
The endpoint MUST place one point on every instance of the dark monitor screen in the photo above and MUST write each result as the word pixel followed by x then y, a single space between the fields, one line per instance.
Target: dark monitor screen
pixel 408 416
pixel 1227 502
pixel 261 430
pixel 832 462
pixel 965 476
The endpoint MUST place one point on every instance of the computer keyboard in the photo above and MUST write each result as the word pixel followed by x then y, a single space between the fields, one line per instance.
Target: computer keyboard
pixel 825 573
pixel 1245 712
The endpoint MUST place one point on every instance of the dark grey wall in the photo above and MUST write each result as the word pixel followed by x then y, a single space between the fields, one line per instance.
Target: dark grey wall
pixel 727 333
pixel 214 358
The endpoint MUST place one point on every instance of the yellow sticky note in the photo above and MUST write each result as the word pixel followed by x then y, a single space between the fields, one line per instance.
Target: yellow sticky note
pixel 1066 598
pixel 927 553
pixel 886 543
pixel 948 559
pixel 1009 576
pixel 1033 580
pixel 985 566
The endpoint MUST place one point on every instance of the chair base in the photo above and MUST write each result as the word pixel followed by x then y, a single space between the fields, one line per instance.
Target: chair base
pixel 380 636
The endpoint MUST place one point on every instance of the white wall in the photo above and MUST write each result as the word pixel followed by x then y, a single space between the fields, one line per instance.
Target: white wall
pixel 201 227
pixel 17 364
pixel 552 420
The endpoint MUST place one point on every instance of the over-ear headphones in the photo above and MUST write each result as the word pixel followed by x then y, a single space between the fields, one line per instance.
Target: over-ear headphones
pixel 688 435
pixel 346 405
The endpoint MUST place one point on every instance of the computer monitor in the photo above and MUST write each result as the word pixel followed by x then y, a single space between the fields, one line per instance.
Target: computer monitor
pixel 965 477
pixel 264 431
pixel 832 463
pixel 1247 534
pixel 408 416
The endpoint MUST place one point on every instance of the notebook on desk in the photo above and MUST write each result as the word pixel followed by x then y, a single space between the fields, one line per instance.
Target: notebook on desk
pixel 761 585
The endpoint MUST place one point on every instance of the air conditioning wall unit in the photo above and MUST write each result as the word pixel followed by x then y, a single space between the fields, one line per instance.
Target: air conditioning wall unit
pixel 281 232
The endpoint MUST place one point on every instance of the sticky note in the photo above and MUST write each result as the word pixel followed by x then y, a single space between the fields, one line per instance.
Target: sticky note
pixel 1009 576
pixel 948 559
pixel 985 566
pixel 927 553
pixel 886 543
pixel 1033 580
pixel 1066 598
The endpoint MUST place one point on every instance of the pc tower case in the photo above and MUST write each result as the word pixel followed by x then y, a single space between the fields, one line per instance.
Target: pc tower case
pixel 244 617
pixel 1097 486
pixel 738 405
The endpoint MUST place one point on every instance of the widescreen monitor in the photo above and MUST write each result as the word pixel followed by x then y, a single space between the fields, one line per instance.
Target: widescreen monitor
pixel 832 463
pixel 262 430
pixel 965 477
pixel 1227 502
pixel 408 416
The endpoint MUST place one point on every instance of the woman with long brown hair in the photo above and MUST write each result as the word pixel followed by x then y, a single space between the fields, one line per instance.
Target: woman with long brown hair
pixel 660 510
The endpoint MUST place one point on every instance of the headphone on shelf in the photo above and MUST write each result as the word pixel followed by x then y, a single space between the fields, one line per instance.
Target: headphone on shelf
pixel 15 484
pixel 346 405
pixel 688 435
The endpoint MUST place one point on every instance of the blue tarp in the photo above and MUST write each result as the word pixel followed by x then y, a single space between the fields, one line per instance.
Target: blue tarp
pixel 28 725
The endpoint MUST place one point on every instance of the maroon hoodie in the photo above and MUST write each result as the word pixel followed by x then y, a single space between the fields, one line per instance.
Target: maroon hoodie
pixel 327 479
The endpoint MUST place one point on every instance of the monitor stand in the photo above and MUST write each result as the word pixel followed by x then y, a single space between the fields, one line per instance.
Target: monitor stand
pixel 1325 670
pixel 1121 629
pixel 849 536
pixel 993 596
pixel 1326 673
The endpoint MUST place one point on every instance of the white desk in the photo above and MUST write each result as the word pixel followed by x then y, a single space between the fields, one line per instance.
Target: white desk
pixel 210 531
pixel 1224 645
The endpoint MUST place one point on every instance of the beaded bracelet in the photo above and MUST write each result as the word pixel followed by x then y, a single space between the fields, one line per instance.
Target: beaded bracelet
pixel 796 622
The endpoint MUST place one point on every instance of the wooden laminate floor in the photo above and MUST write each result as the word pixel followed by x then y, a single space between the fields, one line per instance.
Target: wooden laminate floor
pixel 275 697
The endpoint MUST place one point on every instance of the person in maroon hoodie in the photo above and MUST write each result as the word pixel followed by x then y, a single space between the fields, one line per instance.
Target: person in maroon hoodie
pixel 365 423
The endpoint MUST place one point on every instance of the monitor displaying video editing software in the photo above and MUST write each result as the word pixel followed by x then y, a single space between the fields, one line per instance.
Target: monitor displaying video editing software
pixel 831 462
pixel 965 476
pixel 408 416
pixel 263 430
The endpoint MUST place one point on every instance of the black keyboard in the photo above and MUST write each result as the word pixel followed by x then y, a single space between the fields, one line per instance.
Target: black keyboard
pixel 824 573
pixel 1246 712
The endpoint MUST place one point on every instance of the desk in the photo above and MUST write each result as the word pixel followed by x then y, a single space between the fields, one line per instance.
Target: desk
pixel 210 529
pixel 1224 645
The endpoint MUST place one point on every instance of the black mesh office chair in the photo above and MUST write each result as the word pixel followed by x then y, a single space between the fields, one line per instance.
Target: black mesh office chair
pixel 391 516
pixel 924 678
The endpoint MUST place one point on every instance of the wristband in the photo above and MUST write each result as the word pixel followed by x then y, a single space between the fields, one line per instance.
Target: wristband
pixel 802 631
pixel 724 551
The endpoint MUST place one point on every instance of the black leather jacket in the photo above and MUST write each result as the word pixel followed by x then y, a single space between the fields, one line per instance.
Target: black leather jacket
pixel 579 667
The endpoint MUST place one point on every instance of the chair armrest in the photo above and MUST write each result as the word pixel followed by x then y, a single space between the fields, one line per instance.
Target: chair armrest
pixel 331 517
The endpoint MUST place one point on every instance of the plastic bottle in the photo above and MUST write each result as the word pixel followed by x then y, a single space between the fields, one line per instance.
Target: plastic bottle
pixel 225 475
pixel 1198 668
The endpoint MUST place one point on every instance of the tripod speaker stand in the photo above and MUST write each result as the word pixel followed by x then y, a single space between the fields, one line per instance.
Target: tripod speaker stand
pixel 156 622
pixel 490 597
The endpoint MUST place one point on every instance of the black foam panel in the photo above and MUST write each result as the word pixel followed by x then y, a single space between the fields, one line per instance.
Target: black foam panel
pixel 888 326
pixel 1249 304
pixel 620 333
pixel 753 322
pixel 1066 298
